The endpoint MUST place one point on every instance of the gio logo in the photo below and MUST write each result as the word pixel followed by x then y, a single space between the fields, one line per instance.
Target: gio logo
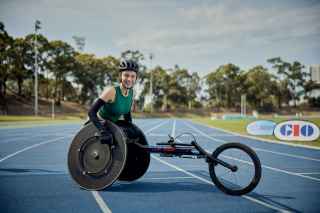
pixel 297 131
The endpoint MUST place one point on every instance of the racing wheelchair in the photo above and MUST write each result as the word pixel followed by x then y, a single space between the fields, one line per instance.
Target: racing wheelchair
pixel 233 167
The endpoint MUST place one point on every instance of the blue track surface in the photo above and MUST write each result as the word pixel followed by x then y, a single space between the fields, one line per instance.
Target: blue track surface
pixel 34 175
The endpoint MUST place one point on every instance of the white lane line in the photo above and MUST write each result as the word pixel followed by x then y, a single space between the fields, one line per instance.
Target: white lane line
pixel 210 183
pixel 275 169
pixel 142 124
pixel 264 166
pixel 155 127
pixel 223 135
pixel 290 173
pixel 309 173
pixel 27 136
pixel 173 132
pixel 8 173
pixel 165 135
pixel 32 146
pixel 168 178
pixel 157 135
pixel 103 206
pixel 289 155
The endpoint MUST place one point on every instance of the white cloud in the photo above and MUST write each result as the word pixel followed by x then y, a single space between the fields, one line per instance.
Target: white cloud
pixel 223 27
pixel 178 32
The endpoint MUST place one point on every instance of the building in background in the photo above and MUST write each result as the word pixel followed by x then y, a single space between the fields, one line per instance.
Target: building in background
pixel 315 76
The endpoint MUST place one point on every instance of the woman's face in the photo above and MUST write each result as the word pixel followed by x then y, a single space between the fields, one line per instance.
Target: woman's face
pixel 128 78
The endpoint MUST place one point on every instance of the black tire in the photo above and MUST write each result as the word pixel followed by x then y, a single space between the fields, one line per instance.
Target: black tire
pixel 80 160
pixel 218 173
pixel 138 159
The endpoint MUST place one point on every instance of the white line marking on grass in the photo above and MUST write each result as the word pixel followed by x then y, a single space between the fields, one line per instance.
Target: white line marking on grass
pixel 264 166
pixel 32 146
pixel 210 183
pixel 103 206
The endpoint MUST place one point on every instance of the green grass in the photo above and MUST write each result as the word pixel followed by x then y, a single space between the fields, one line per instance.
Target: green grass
pixel 29 121
pixel 239 126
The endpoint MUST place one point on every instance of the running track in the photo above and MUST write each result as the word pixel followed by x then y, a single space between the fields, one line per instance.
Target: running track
pixel 34 175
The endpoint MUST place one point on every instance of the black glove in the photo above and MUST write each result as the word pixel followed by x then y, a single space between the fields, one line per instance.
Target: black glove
pixel 106 137
pixel 127 117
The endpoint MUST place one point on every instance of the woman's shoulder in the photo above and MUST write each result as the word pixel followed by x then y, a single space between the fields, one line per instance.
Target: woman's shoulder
pixel 108 94
pixel 110 89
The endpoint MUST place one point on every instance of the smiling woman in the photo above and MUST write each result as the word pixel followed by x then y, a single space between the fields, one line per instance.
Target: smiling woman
pixel 116 101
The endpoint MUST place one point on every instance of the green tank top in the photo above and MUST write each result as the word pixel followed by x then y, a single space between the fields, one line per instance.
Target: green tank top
pixel 120 106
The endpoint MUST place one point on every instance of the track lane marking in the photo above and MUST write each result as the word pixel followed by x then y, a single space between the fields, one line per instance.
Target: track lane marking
pixel 103 206
pixel 155 127
pixel 27 136
pixel 168 178
pixel 32 146
pixel 308 173
pixel 210 183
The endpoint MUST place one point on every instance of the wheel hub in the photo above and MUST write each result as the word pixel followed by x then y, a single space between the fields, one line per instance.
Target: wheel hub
pixel 95 157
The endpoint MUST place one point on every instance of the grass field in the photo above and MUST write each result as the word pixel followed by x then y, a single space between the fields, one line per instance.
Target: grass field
pixel 239 126
pixel 27 121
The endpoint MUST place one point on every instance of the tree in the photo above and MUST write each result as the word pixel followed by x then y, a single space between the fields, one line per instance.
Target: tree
pixel 43 48
pixel 61 62
pixel 309 86
pixel 20 71
pixel 160 82
pixel 224 85
pixel 296 79
pixel 259 87
pixel 93 74
pixel 6 58
pixel 292 74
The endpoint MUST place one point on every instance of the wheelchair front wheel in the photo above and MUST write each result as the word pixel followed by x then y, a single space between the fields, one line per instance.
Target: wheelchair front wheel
pixel 248 172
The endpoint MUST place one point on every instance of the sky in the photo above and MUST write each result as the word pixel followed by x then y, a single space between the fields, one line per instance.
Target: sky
pixel 197 35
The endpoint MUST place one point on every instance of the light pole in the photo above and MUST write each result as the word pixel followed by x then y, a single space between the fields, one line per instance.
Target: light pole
pixel 151 79
pixel 36 28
